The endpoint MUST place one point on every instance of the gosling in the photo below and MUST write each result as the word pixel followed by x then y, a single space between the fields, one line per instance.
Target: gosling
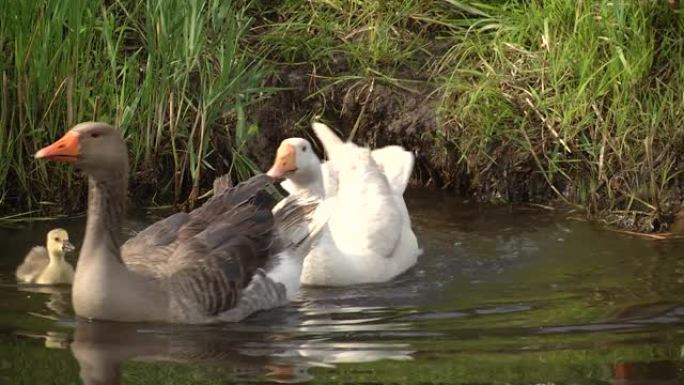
pixel 46 265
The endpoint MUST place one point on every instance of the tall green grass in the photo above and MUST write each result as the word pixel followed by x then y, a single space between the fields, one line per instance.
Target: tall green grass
pixel 173 75
pixel 590 93
pixel 579 102
pixel 361 37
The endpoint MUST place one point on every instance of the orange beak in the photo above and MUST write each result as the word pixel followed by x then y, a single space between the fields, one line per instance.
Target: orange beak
pixel 285 161
pixel 66 149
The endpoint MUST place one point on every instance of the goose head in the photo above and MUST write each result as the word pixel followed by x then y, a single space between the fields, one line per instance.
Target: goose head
pixel 296 160
pixel 58 243
pixel 96 148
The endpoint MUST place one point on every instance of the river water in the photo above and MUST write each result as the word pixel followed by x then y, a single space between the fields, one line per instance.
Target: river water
pixel 501 295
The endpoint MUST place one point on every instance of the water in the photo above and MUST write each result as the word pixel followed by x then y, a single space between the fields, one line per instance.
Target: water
pixel 501 296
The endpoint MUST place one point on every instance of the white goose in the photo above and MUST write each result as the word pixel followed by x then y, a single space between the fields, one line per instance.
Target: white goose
pixel 368 237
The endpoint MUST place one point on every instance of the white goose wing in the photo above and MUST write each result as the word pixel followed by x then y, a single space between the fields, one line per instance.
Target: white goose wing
pixel 397 165
pixel 366 218
pixel 393 161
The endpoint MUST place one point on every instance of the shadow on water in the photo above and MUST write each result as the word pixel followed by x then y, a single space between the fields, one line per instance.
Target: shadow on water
pixel 501 295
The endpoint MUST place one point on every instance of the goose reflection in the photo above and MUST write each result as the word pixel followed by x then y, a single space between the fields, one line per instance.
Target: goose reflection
pixel 253 350
pixel 281 345
pixel 58 303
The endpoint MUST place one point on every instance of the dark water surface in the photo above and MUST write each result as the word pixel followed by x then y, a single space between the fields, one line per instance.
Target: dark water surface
pixel 501 296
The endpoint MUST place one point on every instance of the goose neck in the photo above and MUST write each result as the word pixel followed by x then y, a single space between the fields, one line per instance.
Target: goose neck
pixel 106 206
pixel 312 183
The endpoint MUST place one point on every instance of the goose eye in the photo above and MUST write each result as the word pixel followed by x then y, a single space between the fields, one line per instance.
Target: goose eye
pixel 303 148
pixel 57 239
pixel 94 135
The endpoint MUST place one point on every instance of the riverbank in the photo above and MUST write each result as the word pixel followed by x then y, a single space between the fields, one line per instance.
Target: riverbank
pixel 556 102
pixel 578 104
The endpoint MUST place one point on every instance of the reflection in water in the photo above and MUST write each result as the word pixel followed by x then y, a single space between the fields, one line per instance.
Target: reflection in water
pixel 647 373
pixel 53 339
pixel 500 295
pixel 102 347
pixel 59 300
pixel 59 305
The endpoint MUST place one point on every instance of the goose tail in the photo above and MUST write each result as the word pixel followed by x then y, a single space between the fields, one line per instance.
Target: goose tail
pixel 331 142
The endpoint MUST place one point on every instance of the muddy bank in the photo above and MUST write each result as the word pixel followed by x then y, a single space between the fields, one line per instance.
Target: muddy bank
pixel 368 112
pixel 549 102
pixel 375 114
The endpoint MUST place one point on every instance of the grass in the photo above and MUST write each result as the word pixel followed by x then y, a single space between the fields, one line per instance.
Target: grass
pixel 365 38
pixel 588 93
pixel 577 102
pixel 172 75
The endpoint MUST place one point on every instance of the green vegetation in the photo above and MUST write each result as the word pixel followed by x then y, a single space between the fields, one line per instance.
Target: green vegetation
pixel 590 92
pixel 172 74
pixel 577 102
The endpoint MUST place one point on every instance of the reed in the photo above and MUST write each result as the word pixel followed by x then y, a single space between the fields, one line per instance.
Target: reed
pixel 578 102
pixel 590 93
pixel 173 75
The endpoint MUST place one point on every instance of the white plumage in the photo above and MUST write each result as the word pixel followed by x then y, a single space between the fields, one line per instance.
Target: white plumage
pixel 368 236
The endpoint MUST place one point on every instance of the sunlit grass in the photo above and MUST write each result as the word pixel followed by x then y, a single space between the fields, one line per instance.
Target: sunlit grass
pixel 578 102
pixel 173 75
pixel 588 93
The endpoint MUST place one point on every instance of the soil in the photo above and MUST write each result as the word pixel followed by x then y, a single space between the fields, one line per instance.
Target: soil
pixel 375 114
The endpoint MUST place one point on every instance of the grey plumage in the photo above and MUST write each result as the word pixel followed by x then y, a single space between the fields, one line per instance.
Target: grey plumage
pixel 211 260
pixel 299 219
pixel 222 184
pixel 190 267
